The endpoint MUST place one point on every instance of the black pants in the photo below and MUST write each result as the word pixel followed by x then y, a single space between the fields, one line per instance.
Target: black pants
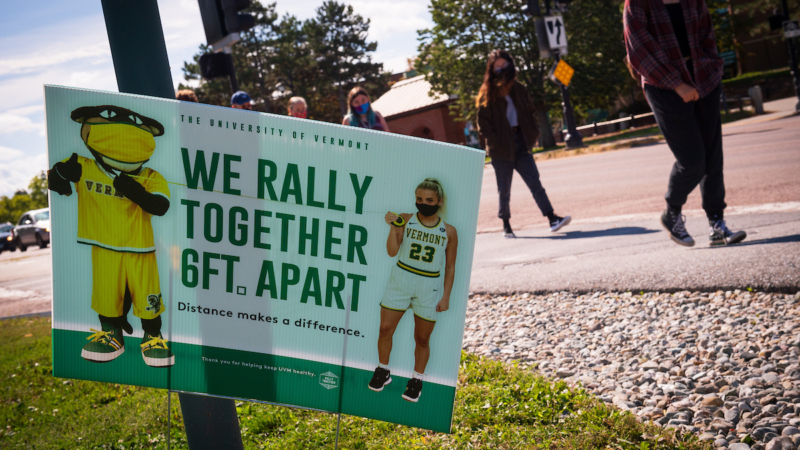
pixel 694 134
pixel 526 167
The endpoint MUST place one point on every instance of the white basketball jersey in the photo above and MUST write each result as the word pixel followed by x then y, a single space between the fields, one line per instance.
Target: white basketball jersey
pixel 423 249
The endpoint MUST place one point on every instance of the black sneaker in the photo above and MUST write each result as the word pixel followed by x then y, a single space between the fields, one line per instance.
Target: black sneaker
pixel 676 225
pixel 413 390
pixel 721 235
pixel 380 378
pixel 508 233
pixel 559 223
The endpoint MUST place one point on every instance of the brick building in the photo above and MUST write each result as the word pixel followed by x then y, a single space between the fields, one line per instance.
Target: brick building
pixel 410 111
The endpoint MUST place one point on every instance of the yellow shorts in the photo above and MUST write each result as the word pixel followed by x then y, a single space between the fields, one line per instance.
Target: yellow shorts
pixel 113 271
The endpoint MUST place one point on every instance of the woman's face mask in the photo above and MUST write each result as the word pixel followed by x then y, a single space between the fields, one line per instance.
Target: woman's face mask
pixel 362 108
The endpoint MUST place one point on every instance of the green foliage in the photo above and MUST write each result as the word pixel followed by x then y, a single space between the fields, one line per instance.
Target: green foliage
pixel 12 208
pixel 750 17
pixel 498 405
pixel 319 59
pixel 466 31
pixel 597 53
pixel 749 78
pixel 338 38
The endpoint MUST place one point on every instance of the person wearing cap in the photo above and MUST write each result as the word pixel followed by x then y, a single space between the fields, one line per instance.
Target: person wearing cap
pixel 241 100
pixel 116 199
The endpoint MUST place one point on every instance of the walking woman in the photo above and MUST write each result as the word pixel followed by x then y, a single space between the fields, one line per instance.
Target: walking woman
pixel 671 46
pixel 507 121
pixel 360 113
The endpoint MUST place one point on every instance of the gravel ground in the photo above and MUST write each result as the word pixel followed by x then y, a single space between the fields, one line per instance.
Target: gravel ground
pixel 723 365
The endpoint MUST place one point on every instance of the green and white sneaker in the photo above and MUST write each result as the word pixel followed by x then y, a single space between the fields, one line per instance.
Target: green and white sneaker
pixel 155 351
pixel 106 344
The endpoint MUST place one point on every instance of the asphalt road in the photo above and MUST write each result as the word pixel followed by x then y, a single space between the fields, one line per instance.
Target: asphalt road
pixel 25 282
pixel 615 241
pixel 762 162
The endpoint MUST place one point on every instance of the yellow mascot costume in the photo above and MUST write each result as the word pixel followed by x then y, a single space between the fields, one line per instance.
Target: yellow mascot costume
pixel 116 199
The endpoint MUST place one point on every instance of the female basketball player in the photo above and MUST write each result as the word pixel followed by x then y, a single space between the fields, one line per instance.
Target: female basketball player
pixel 426 244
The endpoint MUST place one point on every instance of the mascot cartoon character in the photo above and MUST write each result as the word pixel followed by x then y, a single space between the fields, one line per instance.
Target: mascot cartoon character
pixel 116 199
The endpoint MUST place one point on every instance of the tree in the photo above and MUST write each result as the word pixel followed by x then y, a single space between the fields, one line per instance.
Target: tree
pixel 251 59
pixel 466 31
pixel 597 53
pixel 338 39
pixel 12 208
pixel 280 58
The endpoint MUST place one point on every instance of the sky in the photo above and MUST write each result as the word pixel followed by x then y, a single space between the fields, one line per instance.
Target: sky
pixel 65 43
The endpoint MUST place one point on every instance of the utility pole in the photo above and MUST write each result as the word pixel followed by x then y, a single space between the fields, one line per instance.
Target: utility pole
pixel 790 44
pixel 141 66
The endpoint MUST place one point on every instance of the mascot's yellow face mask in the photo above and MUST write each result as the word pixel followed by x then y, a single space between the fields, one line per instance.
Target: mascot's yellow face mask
pixel 123 146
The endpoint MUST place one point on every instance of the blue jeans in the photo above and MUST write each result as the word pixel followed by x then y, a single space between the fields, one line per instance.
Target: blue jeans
pixel 526 167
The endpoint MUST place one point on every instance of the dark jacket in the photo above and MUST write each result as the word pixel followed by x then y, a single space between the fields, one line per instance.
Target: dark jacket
pixel 494 128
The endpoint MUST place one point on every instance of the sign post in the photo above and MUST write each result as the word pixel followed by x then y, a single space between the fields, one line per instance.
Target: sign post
pixel 552 39
pixel 141 66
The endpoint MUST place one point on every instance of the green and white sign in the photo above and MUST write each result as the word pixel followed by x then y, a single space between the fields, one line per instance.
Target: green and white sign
pixel 221 251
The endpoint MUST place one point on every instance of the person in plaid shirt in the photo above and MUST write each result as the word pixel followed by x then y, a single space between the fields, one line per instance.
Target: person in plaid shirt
pixel 671 46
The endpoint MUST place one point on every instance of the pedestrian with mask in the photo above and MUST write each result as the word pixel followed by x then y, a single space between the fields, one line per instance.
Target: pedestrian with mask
pixel 673 54
pixel 507 122
pixel 298 107
pixel 360 113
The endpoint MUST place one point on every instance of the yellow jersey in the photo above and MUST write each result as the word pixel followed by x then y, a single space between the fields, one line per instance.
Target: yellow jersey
pixel 106 218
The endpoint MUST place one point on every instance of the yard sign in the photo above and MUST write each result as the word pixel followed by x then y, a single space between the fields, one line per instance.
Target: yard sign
pixel 233 253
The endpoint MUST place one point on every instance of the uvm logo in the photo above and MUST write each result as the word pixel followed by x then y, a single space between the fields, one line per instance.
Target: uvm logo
pixel 329 380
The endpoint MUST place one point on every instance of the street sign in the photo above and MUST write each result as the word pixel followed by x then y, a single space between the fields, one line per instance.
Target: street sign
pixel 791 29
pixel 556 33
pixel 562 72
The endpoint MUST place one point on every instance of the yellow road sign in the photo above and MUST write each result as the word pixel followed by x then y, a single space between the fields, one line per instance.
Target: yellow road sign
pixel 563 72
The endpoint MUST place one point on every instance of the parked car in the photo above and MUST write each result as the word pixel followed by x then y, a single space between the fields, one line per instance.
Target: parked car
pixel 7 242
pixel 33 228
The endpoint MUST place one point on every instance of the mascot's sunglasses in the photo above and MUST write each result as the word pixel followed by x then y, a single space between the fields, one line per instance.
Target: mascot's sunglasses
pixel 118 114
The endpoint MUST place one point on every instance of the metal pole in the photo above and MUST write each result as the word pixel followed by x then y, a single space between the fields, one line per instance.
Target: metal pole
pixel 573 138
pixel 141 66
pixel 338 421
pixel 792 57
pixel 231 71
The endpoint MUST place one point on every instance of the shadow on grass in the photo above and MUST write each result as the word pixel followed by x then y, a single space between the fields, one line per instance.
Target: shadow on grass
pixel 620 231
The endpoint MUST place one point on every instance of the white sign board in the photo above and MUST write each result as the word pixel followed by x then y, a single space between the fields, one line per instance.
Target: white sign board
pixel 556 33
pixel 232 253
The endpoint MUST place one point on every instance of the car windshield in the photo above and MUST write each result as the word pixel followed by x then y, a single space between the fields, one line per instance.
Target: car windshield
pixel 6 228
pixel 44 215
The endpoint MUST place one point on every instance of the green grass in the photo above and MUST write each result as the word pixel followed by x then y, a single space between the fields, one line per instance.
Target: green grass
pixel 497 406
pixel 750 76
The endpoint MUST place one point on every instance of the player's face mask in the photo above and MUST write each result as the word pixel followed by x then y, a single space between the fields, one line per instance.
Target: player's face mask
pixel 122 146
pixel 427 210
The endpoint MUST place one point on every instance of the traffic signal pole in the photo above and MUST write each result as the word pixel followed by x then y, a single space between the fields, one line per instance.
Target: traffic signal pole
pixel 141 66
